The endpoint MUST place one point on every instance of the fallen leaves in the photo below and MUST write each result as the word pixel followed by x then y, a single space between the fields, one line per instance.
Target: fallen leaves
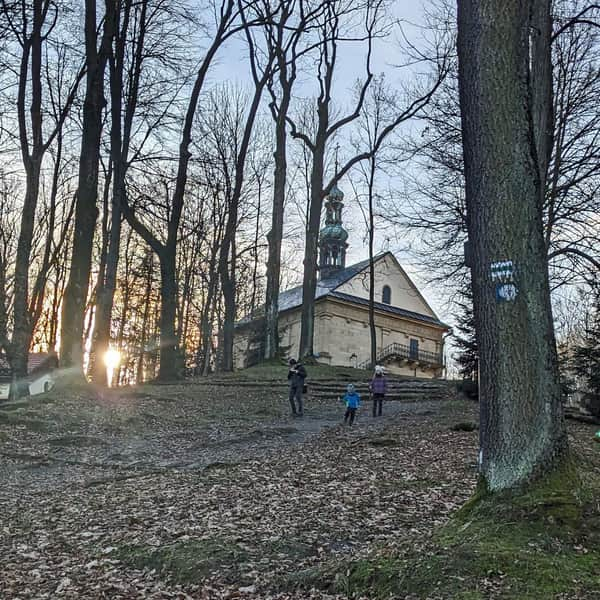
pixel 210 498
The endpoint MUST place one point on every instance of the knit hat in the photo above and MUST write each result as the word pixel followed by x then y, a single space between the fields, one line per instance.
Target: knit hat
pixel 379 369
pixel 350 389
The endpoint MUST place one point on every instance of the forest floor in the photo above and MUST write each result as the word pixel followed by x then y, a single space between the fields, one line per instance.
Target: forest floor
pixel 214 491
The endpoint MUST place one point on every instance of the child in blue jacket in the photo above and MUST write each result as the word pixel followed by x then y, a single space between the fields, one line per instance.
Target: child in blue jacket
pixel 352 400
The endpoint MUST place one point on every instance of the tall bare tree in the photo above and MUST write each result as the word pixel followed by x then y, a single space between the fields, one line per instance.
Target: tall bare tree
pixel 86 210
pixel 125 69
pixel 287 39
pixel 261 74
pixel 31 25
pixel 227 24
pixel 327 127
pixel 433 208
pixel 377 110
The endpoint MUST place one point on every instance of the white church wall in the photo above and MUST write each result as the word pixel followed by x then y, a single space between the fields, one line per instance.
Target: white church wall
pixel 342 336
pixel 387 272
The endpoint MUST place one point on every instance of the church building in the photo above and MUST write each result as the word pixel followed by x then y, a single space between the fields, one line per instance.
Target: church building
pixel 410 337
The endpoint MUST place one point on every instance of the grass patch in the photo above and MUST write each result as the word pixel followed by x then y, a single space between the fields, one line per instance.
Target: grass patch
pixel 277 371
pixel 384 442
pixel 221 466
pixel 77 441
pixel 291 547
pixel 187 562
pixel 194 560
pixel 465 426
pixel 17 418
pixel 541 543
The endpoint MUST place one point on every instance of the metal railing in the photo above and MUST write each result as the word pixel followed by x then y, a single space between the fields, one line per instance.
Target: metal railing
pixel 402 351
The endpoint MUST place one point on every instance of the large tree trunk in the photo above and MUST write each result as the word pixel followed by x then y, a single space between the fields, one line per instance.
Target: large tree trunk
pixel 372 329
pixel 522 429
pixel 309 284
pixel 32 48
pixel 275 236
pixel 169 367
pixel 86 211
pixel 21 338
pixel 149 265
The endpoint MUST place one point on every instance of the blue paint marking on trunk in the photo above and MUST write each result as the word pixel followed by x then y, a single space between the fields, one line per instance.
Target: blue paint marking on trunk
pixel 506 292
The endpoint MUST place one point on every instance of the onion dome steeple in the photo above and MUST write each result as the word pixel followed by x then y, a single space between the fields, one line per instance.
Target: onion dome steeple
pixel 332 238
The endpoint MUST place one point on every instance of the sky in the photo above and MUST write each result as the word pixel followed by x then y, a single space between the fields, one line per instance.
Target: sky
pixel 386 56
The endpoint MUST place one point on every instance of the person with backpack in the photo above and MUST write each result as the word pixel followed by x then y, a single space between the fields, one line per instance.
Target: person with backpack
pixel 296 377
pixel 378 388
pixel 352 400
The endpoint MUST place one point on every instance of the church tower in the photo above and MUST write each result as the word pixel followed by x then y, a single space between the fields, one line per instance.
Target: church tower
pixel 332 238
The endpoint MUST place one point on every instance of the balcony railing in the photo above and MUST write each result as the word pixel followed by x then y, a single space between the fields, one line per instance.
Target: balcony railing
pixel 404 352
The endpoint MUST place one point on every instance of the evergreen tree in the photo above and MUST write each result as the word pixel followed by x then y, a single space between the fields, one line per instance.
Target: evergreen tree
pixel 586 356
pixel 465 339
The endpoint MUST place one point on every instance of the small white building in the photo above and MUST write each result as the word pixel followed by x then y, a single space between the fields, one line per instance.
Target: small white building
pixel 40 375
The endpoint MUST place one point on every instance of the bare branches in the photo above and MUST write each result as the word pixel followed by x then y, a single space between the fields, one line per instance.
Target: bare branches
pixel 578 19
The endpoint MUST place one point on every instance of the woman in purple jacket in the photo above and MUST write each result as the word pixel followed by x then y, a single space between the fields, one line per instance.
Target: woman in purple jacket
pixel 378 388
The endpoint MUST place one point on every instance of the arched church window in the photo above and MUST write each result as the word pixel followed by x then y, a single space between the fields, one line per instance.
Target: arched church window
pixel 386 294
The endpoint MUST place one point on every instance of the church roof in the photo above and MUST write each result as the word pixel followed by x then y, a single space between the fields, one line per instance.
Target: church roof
pixel 336 193
pixel 333 232
pixel 292 298
pixel 396 310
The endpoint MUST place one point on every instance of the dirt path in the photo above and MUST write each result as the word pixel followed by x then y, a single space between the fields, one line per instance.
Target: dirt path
pixel 155 437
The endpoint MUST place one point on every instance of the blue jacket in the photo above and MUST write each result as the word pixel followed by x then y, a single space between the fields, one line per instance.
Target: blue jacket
pixel 352 400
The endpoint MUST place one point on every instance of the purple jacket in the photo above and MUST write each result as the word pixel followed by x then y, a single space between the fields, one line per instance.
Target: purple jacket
pixel 378 385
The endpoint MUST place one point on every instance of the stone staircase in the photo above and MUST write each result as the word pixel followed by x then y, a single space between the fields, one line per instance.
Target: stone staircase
pixel 401 389
pixel 404 390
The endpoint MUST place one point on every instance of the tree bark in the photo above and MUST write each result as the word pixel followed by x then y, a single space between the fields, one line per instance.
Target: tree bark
pixel 169 367
pixel 372 330
pixel 541 84
pixel 522 429
pixel 275 235
pixel 311 250
pixel 149 266
pixel 32 48
pixel 120 135
pixel 286 77
pixel 86 210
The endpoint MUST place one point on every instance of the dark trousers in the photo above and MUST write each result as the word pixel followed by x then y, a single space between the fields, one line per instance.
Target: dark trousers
pixel 295 398
pixel 349 416
pixel 377 404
